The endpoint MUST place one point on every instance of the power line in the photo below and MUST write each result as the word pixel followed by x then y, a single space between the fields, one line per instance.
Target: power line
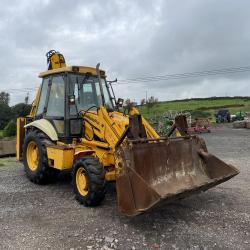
pixel 166 77
pixel 199 73
pixel 20 90
pixel 185 75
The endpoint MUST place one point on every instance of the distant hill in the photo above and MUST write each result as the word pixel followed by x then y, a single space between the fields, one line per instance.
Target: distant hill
pixel 211 98
pixel 207 105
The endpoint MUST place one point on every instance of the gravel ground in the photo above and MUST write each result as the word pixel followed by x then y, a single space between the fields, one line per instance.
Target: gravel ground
pixel 48 217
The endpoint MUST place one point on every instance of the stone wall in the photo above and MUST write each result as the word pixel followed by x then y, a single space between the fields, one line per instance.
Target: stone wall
pixel 7 147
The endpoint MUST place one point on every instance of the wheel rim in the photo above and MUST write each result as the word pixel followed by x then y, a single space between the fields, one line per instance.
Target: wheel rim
pixel 32 156
pixel 81 181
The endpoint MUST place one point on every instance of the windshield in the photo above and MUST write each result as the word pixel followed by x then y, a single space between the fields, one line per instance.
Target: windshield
pixel 87 92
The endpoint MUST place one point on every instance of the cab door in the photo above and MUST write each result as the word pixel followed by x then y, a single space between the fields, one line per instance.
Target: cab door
pixel 55 103
pixel 51 104
pixel 54 106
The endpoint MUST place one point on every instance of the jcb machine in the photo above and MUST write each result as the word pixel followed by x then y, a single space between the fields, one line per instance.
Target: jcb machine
pixel 75 125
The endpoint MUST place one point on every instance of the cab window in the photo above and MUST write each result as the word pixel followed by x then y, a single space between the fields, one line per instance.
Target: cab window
pixel 87 93
pixel 56 97
pixel 43 95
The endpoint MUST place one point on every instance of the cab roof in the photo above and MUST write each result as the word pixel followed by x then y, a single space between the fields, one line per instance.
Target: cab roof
pixel 73 69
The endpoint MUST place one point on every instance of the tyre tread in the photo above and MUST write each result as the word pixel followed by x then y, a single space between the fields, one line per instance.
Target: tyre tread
pixel 45 174
pixel 97 183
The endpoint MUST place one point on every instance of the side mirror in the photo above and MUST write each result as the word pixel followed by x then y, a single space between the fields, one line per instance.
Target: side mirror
pixel 71 100
pixel 119 102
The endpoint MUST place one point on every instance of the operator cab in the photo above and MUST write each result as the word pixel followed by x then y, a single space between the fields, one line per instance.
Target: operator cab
pixel 69 91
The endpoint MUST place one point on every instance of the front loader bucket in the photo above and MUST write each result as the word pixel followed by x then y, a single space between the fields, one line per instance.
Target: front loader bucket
pixel 149 171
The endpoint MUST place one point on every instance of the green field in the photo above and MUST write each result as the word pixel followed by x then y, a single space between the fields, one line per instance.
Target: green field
pixel 211 105
pixel 1 133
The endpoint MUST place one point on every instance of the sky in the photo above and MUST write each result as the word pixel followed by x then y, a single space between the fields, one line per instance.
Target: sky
pixel 130 39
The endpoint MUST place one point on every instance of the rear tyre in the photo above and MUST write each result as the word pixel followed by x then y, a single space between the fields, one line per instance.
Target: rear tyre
pixel 35 158
pixel 89 183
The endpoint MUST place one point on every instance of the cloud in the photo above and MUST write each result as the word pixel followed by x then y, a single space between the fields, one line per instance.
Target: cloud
pixel 130 39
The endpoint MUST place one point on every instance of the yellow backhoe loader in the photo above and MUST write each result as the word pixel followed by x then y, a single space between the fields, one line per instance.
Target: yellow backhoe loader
pixel 75 125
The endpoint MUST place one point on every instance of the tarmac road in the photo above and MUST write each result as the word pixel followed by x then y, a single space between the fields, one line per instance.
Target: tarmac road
pixel 48 217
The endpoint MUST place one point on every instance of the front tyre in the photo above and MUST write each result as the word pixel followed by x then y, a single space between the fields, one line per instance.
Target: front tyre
pixel 88 177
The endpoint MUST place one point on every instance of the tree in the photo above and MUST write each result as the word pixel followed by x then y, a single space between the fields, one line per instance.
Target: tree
pixel 26 99
pixel 10 129
pixel 151 102
pixel 20 110
pixel 4 98
pixel 8 116
pixel 143 101
pixel 127 102
pixel 5 115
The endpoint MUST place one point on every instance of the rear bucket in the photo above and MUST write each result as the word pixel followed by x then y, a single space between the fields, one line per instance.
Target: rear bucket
pixel 167 169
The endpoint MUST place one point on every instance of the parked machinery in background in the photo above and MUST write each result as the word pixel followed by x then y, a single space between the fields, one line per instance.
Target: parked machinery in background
pixel 200 125
pixel 238 116
pixel 223 115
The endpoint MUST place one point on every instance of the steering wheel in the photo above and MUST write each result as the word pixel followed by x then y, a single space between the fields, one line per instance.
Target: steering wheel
pixel 86 111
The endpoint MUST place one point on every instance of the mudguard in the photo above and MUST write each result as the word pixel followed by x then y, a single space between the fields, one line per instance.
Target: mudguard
pixel 45 126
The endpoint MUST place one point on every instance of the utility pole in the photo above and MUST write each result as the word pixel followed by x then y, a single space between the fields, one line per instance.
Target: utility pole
pixel 26 99
pixel 146 96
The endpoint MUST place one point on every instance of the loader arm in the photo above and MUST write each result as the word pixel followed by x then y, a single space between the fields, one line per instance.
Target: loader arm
pixel 110 126
pixel 35 103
